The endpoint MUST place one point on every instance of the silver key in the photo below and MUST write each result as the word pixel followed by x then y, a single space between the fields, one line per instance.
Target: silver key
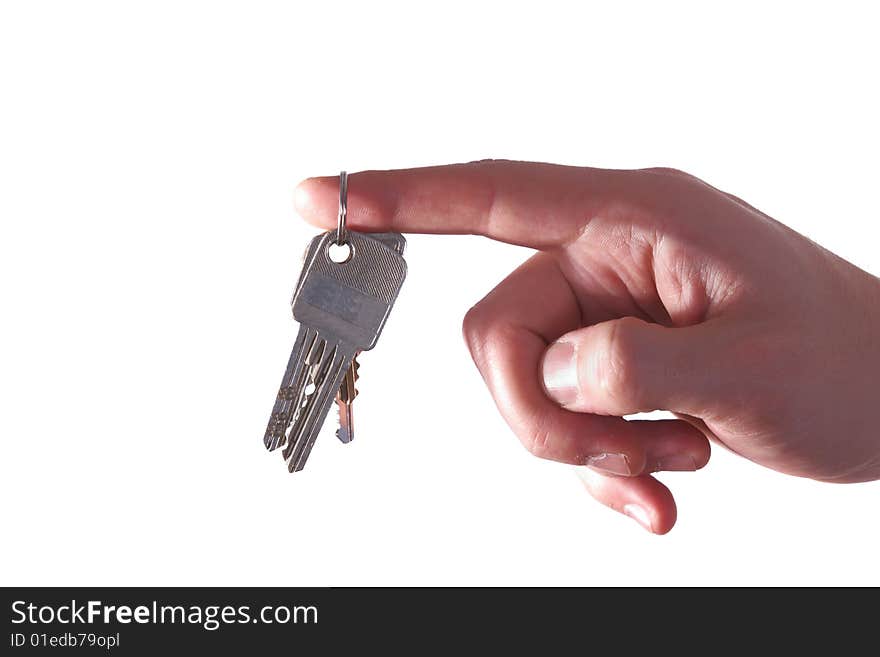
pixel 341 308
pixel 348 390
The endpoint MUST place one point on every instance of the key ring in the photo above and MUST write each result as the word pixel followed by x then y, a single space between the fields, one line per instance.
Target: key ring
pixel 343 207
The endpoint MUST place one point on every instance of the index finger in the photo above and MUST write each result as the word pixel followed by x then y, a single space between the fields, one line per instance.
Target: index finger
pixel 525 203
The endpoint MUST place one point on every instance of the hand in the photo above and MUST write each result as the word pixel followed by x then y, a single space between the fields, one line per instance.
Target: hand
pixel 650 290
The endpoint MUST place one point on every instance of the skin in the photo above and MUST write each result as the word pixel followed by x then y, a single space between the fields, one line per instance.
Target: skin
pixel 649 289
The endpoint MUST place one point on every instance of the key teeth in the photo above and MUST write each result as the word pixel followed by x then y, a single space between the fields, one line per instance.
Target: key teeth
pixel 344 398
pixel 274 436
pixel 355 366
pixel 326 377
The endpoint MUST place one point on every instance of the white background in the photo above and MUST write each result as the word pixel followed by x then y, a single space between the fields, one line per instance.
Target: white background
pixel 148 154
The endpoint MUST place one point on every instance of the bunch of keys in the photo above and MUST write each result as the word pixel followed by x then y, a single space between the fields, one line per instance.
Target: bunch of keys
pixel 341 305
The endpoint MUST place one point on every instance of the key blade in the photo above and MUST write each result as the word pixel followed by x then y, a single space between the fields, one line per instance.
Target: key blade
pixel 290 391
pixel 345 431
pixel 316 374
pixel 298 449
pixel 345 403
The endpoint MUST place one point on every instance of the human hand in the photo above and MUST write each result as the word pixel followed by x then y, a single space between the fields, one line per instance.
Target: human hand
pixel 650 290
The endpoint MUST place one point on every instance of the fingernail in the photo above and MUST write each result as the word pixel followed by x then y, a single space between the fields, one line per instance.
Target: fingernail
pixel 676 462
pixel 638 514
pixel 612 463
pixel 559 371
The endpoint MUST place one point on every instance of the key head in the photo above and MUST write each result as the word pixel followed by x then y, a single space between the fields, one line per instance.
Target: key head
pixel 349 301
pixel 394 241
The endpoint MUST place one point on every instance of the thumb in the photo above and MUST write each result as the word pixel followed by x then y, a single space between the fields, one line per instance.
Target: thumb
pixel 627 365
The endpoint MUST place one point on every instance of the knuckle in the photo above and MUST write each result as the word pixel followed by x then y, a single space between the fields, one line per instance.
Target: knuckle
pixel 474 328
pixel 485 335
pixel 669 171
pixel 473 324
pixel 618 361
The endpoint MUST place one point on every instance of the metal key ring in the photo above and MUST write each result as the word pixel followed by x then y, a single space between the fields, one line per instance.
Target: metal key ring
pixel 343 207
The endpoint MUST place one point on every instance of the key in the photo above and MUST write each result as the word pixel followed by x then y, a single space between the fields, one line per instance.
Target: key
pixel 348 389
pixel 345 402
pixel 341 308
pixel 274 436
